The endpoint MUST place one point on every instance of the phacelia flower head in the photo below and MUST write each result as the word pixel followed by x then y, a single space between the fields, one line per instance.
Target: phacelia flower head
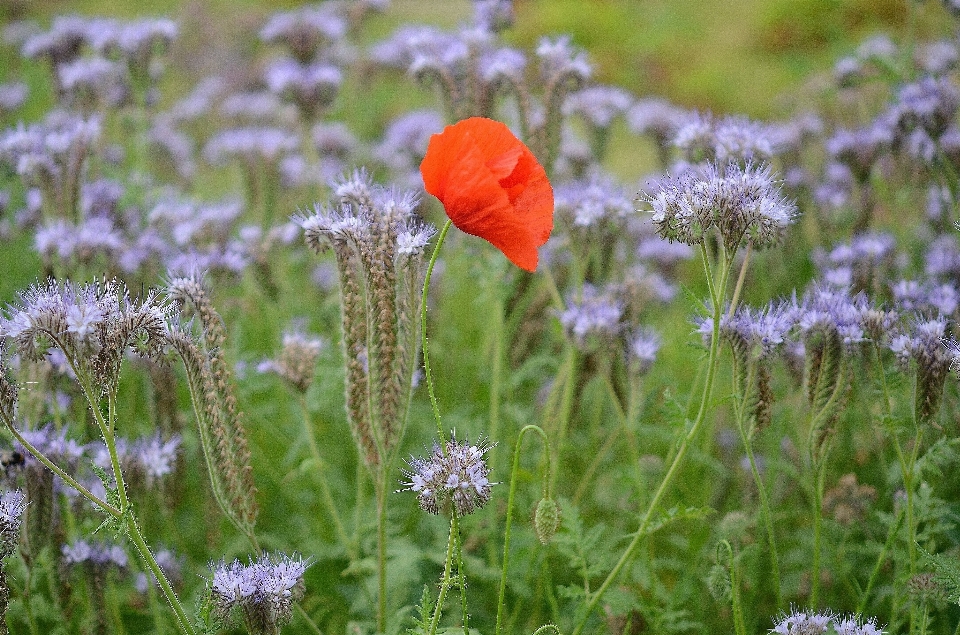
pixel 263 590
pixel 12 505
pixel 739 202
pixel 454 477
pixel 491 186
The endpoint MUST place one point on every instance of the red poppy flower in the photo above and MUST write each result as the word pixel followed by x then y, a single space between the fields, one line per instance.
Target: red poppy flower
pixel 491 186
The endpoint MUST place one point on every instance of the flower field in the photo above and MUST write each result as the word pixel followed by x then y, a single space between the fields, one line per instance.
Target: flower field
pixel 546 316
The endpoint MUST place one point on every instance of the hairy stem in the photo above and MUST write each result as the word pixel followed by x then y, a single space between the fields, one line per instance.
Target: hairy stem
pixel 509 522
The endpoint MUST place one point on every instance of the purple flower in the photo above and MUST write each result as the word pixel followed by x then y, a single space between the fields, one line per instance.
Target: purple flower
pixel 454 477
pixel 306 30
pixel 12 506
pixel 558 57
pixel 312 87
pixel 642 348
pixel 96 554
pixel 592 315
pixel 12 96
pixel 251 144
pixel 598 104
pixel 703 137
pixel 739 202
pixel 592 202
pixel 263 590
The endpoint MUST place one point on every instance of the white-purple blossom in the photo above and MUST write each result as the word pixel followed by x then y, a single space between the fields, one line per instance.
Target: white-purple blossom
pixel 454 478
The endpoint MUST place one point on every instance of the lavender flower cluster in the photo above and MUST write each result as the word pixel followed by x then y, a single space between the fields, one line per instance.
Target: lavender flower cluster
pixel 454 479
pixel 263 591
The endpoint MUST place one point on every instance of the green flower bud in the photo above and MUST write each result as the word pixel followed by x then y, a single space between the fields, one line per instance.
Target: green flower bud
pixel 546 520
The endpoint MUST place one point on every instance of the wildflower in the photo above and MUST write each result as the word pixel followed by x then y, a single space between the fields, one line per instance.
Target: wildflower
pixel 738 201
pixel 702 137
pixel 859 149
pixel 263 590
pixel 312 87
pixel 592 201
pixel 454 477
pixel 304 31
pixel 599 105
pixel 12 506
pixel 93 325
pixel 493 15
pixel 251 144
pixel 297 359
pixel 96 554
pixel 642 349
pixel 925 345
pixel 379 247
pixel 593 318
pixel 803 623
pixel 12 96
pixel 491 186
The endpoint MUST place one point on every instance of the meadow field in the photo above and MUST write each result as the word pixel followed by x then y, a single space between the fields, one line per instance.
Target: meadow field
pixel 576 317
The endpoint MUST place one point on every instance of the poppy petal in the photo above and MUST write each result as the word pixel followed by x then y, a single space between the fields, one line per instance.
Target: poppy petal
pixel 491 186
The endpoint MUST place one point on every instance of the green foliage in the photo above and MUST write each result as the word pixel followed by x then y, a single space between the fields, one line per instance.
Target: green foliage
pixel 947 571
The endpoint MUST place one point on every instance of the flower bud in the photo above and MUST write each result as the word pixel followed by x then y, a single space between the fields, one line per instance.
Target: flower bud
pixel 546 520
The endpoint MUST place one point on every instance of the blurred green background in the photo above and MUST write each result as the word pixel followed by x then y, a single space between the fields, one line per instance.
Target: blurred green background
pixel 748 56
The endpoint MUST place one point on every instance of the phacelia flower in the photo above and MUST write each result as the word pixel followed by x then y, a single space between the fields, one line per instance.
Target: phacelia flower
pixel 453 476
pixel 12 505
pixel 491 186
pixel 264 590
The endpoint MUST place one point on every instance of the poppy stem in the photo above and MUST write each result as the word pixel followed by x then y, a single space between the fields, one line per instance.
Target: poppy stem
pixel 423 332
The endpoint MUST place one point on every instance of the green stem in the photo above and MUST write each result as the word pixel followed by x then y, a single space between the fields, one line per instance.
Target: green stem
pixel 740 279
pixel 817 531
pixel 182 621
pixel 509 522
pixel 716 292
pixel 461 577
pixel 761 489
pixel 739 624
pixel 445 581
pixel 381 550
pixel 324 487
pixel 306 618
pixel 69 480
pixel 767 520
pixel 423 332
pixel 106 428
pixel 881 559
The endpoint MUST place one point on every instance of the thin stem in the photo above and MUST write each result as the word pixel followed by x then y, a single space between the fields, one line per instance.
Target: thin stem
pixel 69 480
pixel 736 600
pixel 306 618
pixel 767 521
pixel 740 278
pixel 445 581
pixel 381 550
pixel 716 292
pixel 761 488
pixel 423 332
pixel 817 535
pixel 881 559
pixel 462 578
pixel 509 522
pixel 324 487
pixel 111 444
pixel 182 621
